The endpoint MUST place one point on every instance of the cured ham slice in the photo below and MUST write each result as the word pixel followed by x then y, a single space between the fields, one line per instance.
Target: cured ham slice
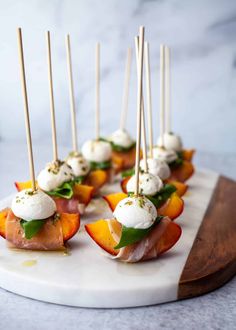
pixel 50 237
pixel 66 205
pixel 107 232
pixel 147 248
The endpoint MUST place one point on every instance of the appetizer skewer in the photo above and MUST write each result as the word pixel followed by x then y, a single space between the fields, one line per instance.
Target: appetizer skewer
pixel 33 221
pixel 80 166
pixel 137 232
pixel 97 151
pixel 57 178
pixel 156 168
pixel 169 146
pixel 150 185
pixel 123 146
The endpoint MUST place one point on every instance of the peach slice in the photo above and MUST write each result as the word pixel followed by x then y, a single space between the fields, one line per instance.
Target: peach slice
pixel 117 162
pixel 114 199
pixel 127 157
pixel 183 172
pixel 180 186
pixel 83 193
pixel 96 179
pixel 169 238
pixel 70 224
pixel 99 231
pixel 123 184
pixel 172 208
pixel 23 185
pixel 188 154
pixel 3 219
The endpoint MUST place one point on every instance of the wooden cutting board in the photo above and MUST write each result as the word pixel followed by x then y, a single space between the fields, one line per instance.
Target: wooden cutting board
pixel 202 260
pixel 212 258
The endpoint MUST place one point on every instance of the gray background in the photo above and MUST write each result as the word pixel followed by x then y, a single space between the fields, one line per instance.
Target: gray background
pixel 202 38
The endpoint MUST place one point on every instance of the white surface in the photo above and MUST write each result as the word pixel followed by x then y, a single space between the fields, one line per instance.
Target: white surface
pixel 87 278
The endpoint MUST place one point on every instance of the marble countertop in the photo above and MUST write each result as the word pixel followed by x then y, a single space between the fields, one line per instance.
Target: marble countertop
pixel 215 310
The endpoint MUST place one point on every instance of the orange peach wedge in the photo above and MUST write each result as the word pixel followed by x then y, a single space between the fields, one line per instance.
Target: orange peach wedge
pixel 183 172
pixel 99 231
pixel 83 192
pixel 96 179
pixel 128 158
pixel 181 187
pixel 23 185
pixel 172 208
pixel 70 224
pixel 188 154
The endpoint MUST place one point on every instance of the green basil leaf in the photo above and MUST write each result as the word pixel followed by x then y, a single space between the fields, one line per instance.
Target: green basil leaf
pixel 31 228
pixel 132 235
pixel 127 173
pixel 176 163
pixel 79 179
pixel 64 191
pixel 117 147
pixel 100 165
pixel 180 155
pixel 163 195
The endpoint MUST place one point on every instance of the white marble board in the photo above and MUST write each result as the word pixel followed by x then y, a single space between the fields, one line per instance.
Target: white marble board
pixel 86 277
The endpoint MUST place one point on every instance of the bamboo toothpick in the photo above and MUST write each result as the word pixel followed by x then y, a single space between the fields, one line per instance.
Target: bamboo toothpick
pixel 162 96
pixel 72 96
pixel 149 97
pixel 26 108
pixel 139 107
pixel 125 102
pixel 97 99
pixel 52 108
pixel 143 126
pixel 167 90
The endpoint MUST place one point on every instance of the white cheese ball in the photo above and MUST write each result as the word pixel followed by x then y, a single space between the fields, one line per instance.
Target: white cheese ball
pixel 121 138
pixel 29 205
pixel 165 155
pixel 80 166
pixel 54 175
pixel 149 184
pixel 157 167
pixel 135 212
pixel 97 151
pixel 172 142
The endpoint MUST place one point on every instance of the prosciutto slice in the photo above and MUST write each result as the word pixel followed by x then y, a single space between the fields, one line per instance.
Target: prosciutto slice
pixel 50 237
pixel 147 248
pixel 66 205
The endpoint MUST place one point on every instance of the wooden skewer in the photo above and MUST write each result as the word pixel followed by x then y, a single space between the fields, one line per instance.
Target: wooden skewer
pixel 139 107
pixel 143 128
pixel 167 89
pixel 162 96
pixel 52 108
pixel 72 96
pixel 97 99
pixel 26 108
pixel 149 97
pixel 126 90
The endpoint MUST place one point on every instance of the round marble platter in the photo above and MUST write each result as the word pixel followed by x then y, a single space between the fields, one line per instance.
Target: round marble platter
pixel 84 276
